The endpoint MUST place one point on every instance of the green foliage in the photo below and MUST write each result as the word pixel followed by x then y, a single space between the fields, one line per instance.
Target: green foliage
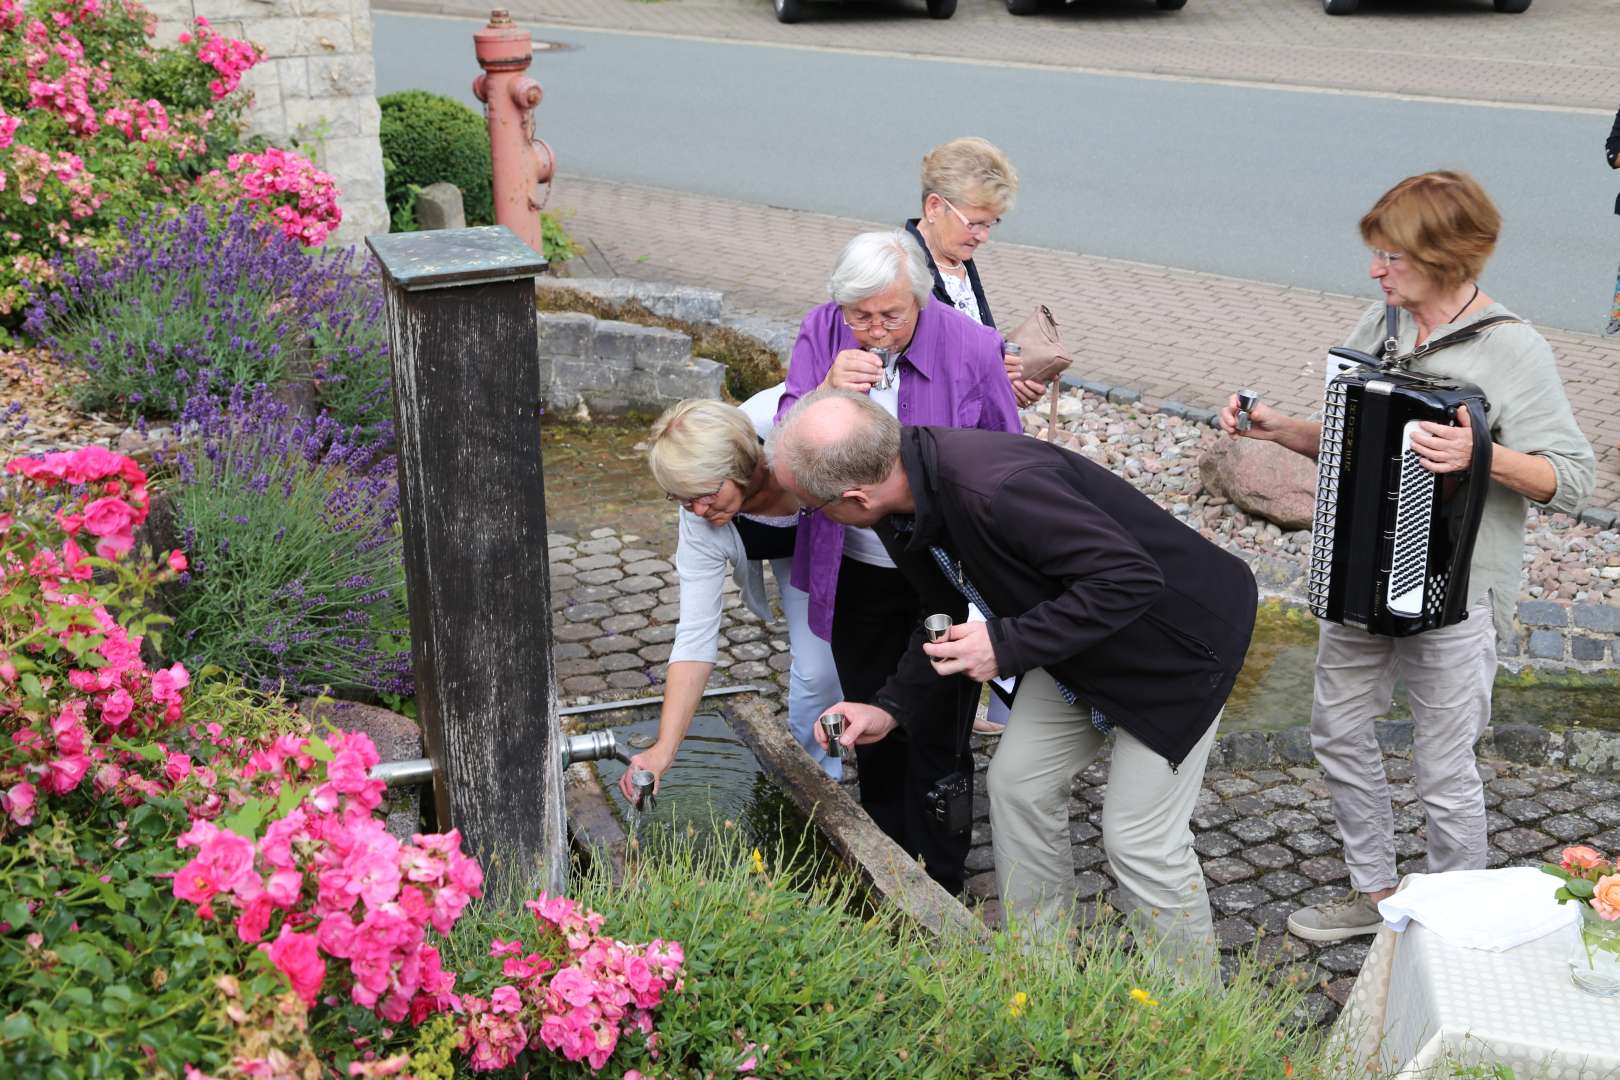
pixel 750 366
pixel 101 966
pixel 789 963
pixel 429 138
pixel 556 245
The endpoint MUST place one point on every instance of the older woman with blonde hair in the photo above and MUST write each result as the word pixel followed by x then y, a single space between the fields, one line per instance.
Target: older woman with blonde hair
pixel 968 185
pixel 1428 239
pixel 734 517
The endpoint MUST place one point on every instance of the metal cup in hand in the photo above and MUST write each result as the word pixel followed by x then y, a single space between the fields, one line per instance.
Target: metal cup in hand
pixel 891 366
pixel 1247 400
pixel 937 627
pixel 833 724
pixel 642 782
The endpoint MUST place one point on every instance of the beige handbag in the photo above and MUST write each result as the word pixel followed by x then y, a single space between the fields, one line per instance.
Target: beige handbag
pixel 1043 355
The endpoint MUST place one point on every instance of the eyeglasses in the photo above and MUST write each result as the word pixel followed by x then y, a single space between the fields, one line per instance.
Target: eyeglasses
pixel 865 322
pixel 691 504
pixel 1386 259
pixel 983 227
pixel 820 505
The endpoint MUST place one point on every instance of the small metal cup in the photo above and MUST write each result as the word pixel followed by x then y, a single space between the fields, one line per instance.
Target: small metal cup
pixel 1247 400
pixel 833 724
pixel 937 627
pixel 642 781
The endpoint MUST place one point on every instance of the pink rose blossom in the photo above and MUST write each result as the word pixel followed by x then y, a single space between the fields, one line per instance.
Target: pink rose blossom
pixel 18 802
pixel 1580 857
pixel 298 958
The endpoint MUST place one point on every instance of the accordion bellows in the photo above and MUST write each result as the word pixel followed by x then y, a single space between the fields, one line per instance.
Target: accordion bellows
pixel 1391 541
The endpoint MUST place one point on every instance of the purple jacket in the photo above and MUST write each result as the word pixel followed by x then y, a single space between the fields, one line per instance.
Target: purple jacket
pixel 954 378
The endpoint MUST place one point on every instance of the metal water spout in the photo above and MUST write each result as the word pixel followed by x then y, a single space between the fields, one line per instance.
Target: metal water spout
pixel 520 161
pixel 599 745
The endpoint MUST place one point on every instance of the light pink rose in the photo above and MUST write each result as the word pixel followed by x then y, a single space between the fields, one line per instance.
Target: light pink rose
pixel 298 958
pixel 1580 857
pixel 108 515
pixel 18 802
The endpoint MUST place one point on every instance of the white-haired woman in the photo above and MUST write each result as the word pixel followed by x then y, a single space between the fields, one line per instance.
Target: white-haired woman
pixel 925 363
pixel 734 517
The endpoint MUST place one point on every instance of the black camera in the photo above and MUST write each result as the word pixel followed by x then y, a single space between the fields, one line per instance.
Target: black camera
pixel 950 802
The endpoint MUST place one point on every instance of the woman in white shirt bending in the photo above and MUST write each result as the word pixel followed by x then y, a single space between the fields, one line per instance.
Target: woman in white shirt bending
pixel 734 517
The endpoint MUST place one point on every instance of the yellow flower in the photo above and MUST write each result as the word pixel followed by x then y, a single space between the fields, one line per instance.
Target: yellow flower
pixel 1015 1007
pixel 1144 997
pixel 759 861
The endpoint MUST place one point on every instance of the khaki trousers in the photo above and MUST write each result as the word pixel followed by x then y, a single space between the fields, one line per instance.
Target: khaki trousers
pixel 1145 828
pixel 1448 675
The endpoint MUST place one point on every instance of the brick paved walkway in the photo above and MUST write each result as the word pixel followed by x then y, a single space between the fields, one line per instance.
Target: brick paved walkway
pixel 1177 335
pixel 1562 52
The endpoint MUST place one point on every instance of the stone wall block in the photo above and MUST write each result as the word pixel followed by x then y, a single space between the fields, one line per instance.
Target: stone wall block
pixel 698 378
pixel 1604 618
pixel 1587 648
pixel 1546 645
pixel 338 9
pixel 647 348
pixel 566 334
pixel 341 76
pixel 293 74
pixel 1543 613
pixel 317 119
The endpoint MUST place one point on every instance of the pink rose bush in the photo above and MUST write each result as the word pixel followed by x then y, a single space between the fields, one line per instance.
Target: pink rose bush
pixel 84 142
pixel 1590 878
pixel 573 991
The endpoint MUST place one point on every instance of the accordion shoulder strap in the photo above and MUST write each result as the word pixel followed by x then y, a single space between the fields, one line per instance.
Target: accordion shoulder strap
pixel 1392 331
pixel 1457 337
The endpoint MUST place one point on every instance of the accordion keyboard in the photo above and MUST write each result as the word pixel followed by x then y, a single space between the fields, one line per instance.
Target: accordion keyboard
pixel 1414 505
pixel 1328 471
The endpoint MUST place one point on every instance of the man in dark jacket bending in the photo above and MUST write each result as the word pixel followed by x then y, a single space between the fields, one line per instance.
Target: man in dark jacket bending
pixel 1115 615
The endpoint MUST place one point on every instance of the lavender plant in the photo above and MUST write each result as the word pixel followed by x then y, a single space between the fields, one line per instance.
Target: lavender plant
pixel 199 304
pixel 291 526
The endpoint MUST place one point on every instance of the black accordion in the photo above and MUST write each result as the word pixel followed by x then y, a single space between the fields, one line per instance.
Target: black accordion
pixel 1391 541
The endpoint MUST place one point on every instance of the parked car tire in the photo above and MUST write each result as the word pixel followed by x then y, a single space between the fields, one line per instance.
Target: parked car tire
pixel 1340 7
pixel 1512 7
pixel 941 9
pixel 1171 5
pixel 1023 7
pixel 789 11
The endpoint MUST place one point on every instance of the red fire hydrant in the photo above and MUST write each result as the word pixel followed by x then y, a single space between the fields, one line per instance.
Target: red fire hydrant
pixel 520 160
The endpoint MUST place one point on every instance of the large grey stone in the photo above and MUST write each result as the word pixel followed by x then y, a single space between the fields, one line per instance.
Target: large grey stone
pixel 1263 479
pixel 1587 648
pixel 565 334
pixel 439 206
pixel 1543 613
pixel 629 347
pixel 1604 618
pixel 1525 743
pixel 1546 645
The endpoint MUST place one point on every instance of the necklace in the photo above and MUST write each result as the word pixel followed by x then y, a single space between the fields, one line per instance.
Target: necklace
pixel 1465 307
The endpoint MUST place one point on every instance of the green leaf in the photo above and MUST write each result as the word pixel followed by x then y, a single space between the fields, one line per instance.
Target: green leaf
pixel 247 819
pixel 31 686
pixel 16 913
pixel 318 749
pixel 1580 888
pixel 79 995
pixel 1555 871
pixel 16 1027
pixel 289 798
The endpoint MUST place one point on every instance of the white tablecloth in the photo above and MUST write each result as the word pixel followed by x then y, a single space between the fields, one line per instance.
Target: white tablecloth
pixel 1420 1002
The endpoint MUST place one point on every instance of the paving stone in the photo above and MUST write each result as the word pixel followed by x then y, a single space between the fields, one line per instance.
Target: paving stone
pixel 1212 816
pixel 639 585
pixel 670 594
pixel 646 567
pixel 654 654
pixel 592 594
pixel 751 650
pixel 1313 842
pixel 637 554
pixel 1561 801
pixel 1402 794
pixel 741 634
pixel 1245 748
pixel 1397 770
pixel 1250 806
pixel 656 634
pixel 561 584
pixel 1287 795
pixel 1496 821
pixel 1527 743
pixel 1495 856
pixel 1231 899
pixel 1521 841
pixel 1409 844
pixel 981 885
pixel 586 612
pixel 1270 856
pixel 1234 933
pixel 1284 883
pixel 595 562
pixel 619 661
pixel 665 613
pixel 1226 871
pixel 576 666
pixel 1313 1010
pixel 1252 830
pixel 1237 785
pixel 1604 813
pixel 1096 772
pixel 1267 777
pixel 584 684
pixel 568 650
pixel 583 631
pixel 979 859
pixel 1293 745
pixel 623 624
pixel 1346 957
pixel 1408 818
pixel 1524 811
pixel 1272 916
pixel 1214 844
pixel 1082 832
pixel 1088 855
pixel 561 552
pixel 614 643
pixel 1394 736
pixel 602 545
pixel 624 605
pixel 751 671
pixel 1322 894
pixel 781 662
pixel 1595 789
pixel 1338 991
pixel 1607 841
pixel 1292 821
pixel 1088 885
pixel 606 576
pixel 1324 869
pixel 1510 788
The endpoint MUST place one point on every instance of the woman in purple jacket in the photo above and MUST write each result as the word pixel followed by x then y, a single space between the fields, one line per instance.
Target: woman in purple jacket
pixel 925 363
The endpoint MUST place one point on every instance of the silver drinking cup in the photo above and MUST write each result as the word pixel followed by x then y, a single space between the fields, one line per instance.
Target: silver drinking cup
pixel 833 724
pixel 1247 400
pixel 937 627
pixel 642 781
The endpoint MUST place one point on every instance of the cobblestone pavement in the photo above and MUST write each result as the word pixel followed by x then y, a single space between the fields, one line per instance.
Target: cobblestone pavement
pixel 1177 335
pixel 1264 826
pixel 1562 52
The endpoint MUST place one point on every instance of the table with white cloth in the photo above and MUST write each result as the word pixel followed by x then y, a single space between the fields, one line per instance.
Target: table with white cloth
pixel 1422 1002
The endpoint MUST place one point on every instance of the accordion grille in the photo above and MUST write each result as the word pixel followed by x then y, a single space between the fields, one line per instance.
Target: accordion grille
pixel 1414 505
pixel 1329 466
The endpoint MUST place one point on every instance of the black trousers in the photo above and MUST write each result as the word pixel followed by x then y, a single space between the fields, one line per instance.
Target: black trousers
pixel 874 615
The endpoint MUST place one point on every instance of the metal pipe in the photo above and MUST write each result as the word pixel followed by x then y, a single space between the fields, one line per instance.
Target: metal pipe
pixel 420 770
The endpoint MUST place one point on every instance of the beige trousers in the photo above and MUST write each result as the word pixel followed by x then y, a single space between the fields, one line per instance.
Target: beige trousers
pixel 1145 828
pixel 1448 675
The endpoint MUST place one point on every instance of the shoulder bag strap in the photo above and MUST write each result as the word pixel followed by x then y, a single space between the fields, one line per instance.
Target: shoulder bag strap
pixel 1392 331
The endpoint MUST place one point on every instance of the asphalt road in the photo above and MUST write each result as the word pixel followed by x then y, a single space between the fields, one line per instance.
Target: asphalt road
pixel 1245 181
